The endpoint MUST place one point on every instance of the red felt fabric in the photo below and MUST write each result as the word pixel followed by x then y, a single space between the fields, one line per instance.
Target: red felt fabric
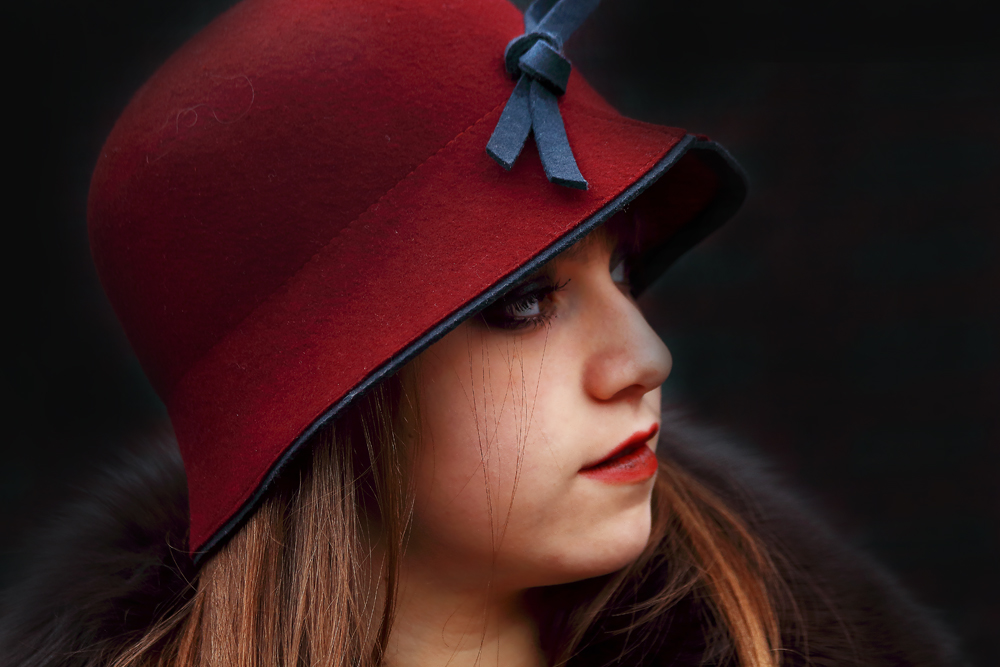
pixel 303 190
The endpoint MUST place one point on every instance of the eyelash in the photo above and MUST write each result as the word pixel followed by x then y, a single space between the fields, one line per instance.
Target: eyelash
pixel 501 315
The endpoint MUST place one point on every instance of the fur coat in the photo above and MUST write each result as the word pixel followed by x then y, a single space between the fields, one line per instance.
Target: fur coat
pixel 115 560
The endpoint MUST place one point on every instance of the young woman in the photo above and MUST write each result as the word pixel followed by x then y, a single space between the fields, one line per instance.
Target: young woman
pixel 379 260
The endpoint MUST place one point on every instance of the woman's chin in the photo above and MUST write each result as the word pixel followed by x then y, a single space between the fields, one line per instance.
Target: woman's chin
pixel 610 546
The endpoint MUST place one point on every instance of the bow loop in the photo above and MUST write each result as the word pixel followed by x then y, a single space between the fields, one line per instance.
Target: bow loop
pixel 545 64
pixel 518 46
pixel 536 60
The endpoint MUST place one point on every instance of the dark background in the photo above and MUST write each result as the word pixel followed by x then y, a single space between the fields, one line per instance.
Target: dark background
pixel 846 323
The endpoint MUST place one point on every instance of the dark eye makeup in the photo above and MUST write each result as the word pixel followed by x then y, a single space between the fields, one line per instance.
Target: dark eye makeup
pixel 527 305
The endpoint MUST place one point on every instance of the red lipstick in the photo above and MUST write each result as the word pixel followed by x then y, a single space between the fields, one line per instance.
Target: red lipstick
pixel 630 462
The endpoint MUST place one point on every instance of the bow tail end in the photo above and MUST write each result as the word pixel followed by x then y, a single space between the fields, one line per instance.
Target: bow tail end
pixel 513 127
pixel 550 137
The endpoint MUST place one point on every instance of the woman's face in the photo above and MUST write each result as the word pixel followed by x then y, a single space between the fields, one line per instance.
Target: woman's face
pixel 538 421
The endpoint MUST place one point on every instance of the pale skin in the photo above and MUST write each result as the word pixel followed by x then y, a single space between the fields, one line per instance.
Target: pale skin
pixel 527 402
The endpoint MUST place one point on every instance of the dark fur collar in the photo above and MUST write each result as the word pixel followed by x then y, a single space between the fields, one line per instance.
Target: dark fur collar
pixel 114 561
pixel 105 568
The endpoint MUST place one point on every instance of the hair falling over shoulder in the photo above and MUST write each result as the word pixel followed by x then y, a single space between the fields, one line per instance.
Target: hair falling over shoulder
pixel 709 552
pixel 299 584
pixel 302 582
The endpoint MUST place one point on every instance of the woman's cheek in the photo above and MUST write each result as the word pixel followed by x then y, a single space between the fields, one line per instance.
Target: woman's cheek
pixel 464 476
pixel 462 508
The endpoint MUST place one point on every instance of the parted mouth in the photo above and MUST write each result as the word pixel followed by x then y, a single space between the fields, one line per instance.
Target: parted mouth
pixel 624 453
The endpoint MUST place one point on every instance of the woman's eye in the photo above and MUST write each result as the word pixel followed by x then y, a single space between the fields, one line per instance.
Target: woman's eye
pixel 527 305
pixel 619 272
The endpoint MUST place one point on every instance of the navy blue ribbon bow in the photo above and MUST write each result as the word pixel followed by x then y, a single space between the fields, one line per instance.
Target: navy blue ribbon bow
pixel 536 58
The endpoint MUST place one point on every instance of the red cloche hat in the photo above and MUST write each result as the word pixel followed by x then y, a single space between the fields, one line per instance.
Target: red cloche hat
pixel 301 200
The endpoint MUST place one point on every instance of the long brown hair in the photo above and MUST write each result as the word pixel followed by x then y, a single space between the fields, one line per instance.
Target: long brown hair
pixel 298 584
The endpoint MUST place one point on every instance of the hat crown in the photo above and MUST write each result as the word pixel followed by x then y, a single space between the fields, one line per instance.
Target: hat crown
pixel 262 139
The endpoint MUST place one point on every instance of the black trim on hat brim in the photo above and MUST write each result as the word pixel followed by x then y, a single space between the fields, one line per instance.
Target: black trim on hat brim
pixel 731 193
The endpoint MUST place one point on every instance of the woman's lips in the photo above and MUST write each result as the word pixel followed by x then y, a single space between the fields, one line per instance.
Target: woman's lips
pixel 632 461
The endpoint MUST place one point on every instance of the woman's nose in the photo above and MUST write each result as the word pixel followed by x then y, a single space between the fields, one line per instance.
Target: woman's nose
pixel 627 359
